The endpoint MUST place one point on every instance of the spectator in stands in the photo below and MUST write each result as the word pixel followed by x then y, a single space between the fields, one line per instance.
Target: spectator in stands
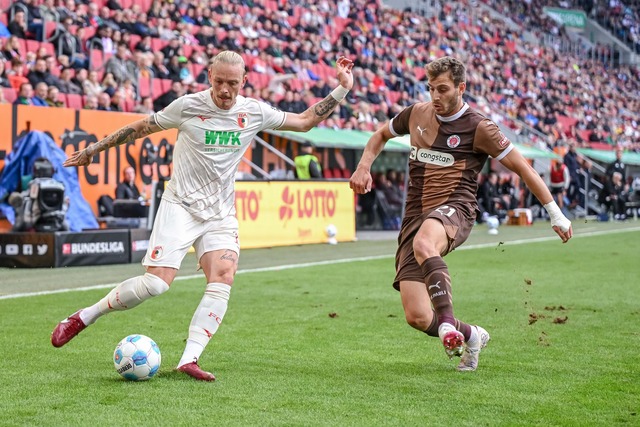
pixel 18 26
pixel 66 84
pixel 67 43
pixel 168 97
pixel 614 195
pixel 559 182
pixel 617 165
pixel 92 86
pixel 174 68
pixel 4 78
pixel 172 49
pixel 25 95
pixel 388 202
pixel 102 39
pixel 572 163
pixel 307 165
pixel 145 107
pixel 144 45
pixel 121 66
pixel 160 70
pixel 52 99
pixel 109 84
pixel 91 102
pixel 40 74
pixel 12 48
pixel 127 189
pixel 40 95
pixel 117 102
pixel 104 102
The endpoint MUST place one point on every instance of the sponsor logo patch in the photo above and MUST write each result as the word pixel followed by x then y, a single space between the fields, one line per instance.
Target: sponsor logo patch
pixel 431 157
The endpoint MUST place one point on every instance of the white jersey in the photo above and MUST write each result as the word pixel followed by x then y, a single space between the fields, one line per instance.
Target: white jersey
pixel 210 145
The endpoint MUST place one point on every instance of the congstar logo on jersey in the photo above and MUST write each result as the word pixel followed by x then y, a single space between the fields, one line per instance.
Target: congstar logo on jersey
pixel 431 157
pixel 221 141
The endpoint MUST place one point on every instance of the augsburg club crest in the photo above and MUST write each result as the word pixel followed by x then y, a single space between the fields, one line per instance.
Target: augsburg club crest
pixel 242 120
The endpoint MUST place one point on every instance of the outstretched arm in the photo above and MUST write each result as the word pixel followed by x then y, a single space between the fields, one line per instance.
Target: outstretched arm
pixel 323 109
pixel 130 132
pixel 515 162
pixel 361 179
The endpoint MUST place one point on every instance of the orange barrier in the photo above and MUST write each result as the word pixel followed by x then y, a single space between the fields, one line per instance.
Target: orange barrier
pixel 270 213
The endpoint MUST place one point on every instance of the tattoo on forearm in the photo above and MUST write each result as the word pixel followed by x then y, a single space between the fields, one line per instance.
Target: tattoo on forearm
pixel 325 107
pixel 122 136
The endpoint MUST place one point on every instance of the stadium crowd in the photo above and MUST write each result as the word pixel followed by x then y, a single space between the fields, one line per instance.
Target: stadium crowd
pixel 139 55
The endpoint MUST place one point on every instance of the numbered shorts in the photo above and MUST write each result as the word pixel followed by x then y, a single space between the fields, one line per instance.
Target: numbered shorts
pixel 175 230
pixel 457 224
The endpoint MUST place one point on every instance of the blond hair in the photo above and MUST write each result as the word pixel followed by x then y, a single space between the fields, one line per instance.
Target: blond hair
pixel 447 64
pixel 227 57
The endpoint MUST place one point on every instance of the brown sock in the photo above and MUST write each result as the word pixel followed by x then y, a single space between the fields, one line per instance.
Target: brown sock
pixel 436 277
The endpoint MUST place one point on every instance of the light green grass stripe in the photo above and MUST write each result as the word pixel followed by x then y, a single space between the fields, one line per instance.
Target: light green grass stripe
pixel 328 262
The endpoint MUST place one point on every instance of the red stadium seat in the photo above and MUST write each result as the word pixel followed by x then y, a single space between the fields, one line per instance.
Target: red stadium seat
pixel 156 88
pixel 74 101
pixel 9 94
pixel 144 87
pixel 49 48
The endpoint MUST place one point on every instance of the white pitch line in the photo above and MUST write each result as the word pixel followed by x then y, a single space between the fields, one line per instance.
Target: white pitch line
pixel 317 263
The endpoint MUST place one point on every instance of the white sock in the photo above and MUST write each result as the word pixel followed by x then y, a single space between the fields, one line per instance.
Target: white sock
pixel 474 340
pixel 126 295
pixel 206 320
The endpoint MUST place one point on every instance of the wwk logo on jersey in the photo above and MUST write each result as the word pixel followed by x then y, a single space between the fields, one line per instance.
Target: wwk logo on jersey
pixel 453 141
pixel 242 120
pixel 221 137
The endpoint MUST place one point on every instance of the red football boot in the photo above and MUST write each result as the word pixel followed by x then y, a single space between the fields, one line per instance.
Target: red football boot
pixel 67 329
pixel 192 369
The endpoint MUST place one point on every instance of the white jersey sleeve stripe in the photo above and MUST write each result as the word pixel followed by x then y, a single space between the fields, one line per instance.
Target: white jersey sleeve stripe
pixel 391 129
pixel 505 152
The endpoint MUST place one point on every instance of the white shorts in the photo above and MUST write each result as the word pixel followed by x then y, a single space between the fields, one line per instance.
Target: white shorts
pixel 175 230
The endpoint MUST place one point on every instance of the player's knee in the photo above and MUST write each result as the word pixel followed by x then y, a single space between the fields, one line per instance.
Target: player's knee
pixel 418 321
pixel 424 249
pixel 154 284
pixel 226 276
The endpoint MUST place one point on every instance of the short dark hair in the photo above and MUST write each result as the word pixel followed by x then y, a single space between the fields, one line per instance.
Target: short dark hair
pixel 447 64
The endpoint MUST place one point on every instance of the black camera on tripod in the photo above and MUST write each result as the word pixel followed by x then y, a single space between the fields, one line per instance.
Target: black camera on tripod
pixel 42 206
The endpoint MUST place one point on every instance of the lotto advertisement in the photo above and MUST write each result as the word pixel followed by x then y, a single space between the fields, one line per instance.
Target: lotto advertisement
pixel 294 212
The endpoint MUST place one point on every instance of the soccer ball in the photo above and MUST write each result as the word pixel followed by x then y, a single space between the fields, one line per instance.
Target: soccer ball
pixel 331 232
pixel 492 224
pixel 137 358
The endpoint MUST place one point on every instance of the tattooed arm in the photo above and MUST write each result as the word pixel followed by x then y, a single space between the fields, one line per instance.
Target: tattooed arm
pixel 130 132
pixel 323 109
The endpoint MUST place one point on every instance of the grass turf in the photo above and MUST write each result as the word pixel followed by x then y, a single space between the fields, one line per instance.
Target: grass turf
pixel 328 345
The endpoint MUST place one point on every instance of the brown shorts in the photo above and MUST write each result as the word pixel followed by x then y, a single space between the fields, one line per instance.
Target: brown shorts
pixel 457 225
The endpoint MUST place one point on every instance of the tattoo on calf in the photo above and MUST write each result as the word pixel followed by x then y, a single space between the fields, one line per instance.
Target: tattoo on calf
pixel 326 106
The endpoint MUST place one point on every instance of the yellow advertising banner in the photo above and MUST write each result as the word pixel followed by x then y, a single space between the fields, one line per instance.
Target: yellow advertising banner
pixel 294 212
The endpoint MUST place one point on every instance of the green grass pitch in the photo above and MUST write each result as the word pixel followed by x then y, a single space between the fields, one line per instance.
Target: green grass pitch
pixel 328 345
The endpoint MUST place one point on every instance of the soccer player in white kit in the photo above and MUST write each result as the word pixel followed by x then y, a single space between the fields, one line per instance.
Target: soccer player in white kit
pixel 215 128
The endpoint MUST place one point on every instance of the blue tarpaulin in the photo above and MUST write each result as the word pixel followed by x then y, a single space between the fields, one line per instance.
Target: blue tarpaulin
pixel 19 163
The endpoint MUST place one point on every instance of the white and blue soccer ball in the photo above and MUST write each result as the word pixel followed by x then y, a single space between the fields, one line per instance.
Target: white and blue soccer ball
pixel 137 358
pixel 331 231
pixel 492 224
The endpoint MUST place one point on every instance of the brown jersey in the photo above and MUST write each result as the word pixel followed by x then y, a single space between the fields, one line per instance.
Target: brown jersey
pixel 447 153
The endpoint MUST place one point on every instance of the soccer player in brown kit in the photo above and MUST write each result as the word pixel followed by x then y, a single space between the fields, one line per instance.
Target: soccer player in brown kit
pixel 450 142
